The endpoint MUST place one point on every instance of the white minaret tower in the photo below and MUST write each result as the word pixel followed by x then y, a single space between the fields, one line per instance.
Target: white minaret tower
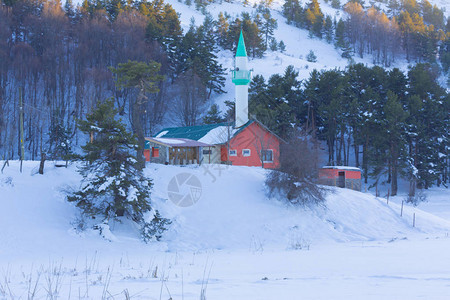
pixel 241 79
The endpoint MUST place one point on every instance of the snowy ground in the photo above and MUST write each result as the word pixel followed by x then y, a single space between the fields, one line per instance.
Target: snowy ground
pixel 233 243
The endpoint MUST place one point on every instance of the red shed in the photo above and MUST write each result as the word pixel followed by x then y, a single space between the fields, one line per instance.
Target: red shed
pixel 341 176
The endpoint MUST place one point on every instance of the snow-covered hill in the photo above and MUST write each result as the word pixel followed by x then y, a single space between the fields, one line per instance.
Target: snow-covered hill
pixel 232 243
pixel 232 212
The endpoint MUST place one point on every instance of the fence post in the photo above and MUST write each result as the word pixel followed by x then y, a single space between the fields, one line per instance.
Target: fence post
pixel 414 219
pixel 389 191
pixel 401 211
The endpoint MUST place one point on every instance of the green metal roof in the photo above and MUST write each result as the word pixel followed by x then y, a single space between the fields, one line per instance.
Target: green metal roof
pixel 197 132
pixel 189 132
pixel 241 46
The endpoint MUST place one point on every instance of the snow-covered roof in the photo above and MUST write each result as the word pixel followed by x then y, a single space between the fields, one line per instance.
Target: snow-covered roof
pixel 342 168
pixel 177 142
pixel 218 135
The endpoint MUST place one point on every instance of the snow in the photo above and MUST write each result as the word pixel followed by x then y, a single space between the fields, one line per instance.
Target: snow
pixel 162 133
pixel 169 140
pixel 342 168
pixel 218 135
pixel 234 243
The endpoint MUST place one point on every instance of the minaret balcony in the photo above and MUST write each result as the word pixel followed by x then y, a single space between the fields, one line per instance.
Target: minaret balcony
pixel 241 77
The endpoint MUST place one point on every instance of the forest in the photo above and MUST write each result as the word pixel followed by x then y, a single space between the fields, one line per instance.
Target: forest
pixel 57 61
pixel 387 122
pixel 418 31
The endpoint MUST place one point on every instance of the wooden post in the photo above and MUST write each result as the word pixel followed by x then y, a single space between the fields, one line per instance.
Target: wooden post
pixel 387 202
pixel 414 219
pixel 401 211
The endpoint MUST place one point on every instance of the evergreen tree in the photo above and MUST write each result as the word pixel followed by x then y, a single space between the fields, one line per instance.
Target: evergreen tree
pixel 60 137
pixel 213 116
pixel 328 29
pixel 69 9
pixel 198 50
pixel 222 31
pixel 164 27
pixel 274 103
pixel 273 45
pixel 314 18
pixel 214 72
pixel 282 46
pixel 394 127
pixel 268 25
pixel 311 57
pixel 292 11
pixel 144 78
pixel 430 104
pixel 113 184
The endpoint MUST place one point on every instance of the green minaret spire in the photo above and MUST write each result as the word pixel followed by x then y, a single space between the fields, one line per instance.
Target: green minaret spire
pixel 241 47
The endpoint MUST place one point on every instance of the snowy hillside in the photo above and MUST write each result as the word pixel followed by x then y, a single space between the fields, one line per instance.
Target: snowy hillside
pixel 232 212
pixel 233 242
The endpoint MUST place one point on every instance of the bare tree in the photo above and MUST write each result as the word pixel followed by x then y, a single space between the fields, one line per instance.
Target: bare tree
pixel 190 100
pixel 296 179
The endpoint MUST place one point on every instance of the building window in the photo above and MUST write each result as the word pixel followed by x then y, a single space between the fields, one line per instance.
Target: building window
pixel 246 152
pixel 155 152
pixel 207 151
pixel 267 155
pixel 233 153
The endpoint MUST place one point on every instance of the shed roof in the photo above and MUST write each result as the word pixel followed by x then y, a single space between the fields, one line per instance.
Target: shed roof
pixel 177 142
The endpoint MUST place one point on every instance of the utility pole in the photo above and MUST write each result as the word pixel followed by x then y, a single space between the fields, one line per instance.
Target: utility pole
pixel 22 148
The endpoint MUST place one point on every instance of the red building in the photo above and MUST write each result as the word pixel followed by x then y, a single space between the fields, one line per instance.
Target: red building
pixel 252 144
pixel 341 176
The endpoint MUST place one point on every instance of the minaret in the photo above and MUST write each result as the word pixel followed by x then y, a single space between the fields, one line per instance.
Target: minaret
pixel 241 79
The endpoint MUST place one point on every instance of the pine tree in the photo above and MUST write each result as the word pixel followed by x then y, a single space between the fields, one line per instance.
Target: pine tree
pixel 60 137
pixel 394 127
pixel 292 10
pixel 69 9
pixel 273 45
pixel 214 72
pixel 311 57
pixel 164 27
pixel 213 116
pixel 429 103
pixel 113 185
pixel 197 54
pixel 340 40
pixel 282 46
pixel 144 78
pixel 222 29
pixel 269 24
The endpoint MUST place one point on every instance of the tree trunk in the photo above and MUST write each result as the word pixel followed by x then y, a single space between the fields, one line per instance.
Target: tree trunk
pixel 41 164
pixel 364 158
pixel 348 151
pixel 394 185
pixel 139 131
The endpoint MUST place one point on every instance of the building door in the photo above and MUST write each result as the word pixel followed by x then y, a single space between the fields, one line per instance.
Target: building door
pixel 341 180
